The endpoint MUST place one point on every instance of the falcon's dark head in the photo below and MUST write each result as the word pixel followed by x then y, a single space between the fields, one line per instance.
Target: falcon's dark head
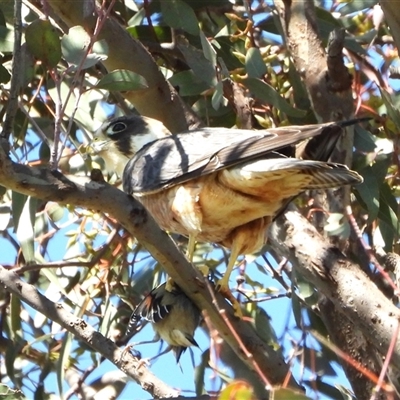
pixel 118 139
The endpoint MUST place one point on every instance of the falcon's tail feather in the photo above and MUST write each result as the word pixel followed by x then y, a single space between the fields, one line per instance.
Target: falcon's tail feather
pixel 333 175
pixel 321 147
pixel 285 177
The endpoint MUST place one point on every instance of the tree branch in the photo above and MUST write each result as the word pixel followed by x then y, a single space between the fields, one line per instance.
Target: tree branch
pixel 302 38
pixel 50 185
pixel 79 328
pixel 125 52
pixel 341 281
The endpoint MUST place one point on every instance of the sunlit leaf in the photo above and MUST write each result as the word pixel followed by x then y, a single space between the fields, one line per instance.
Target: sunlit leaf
pixel 237 390
pixel 54 211
pixel 7 393
pixel 25 229
pixel 288 394
pixel 305 289
pixel 218 96
pixel 75 48
pixel 63 361
pixel 337 225
pixel 6 39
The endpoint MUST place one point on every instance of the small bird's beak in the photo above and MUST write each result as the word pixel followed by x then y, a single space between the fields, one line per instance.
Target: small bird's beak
pixel 97 145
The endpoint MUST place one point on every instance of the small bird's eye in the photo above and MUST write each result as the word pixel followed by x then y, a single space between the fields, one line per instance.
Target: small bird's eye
pixel 118 127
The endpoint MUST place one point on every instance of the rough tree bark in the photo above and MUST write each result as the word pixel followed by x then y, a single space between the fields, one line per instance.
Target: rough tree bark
pixel 329 86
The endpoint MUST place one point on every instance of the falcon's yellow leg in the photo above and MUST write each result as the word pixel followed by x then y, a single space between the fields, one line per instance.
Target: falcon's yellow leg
pixel 223 283
pixel 190 252
pixel 190 247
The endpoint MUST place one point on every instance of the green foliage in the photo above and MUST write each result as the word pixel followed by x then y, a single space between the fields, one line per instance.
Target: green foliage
pixel 86 261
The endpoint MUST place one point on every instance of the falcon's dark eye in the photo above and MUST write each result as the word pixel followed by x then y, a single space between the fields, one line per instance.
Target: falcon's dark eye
pixel 117 128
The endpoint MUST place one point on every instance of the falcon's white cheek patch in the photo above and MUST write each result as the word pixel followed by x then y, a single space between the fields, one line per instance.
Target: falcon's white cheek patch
pixel 140 140
pixel 114 160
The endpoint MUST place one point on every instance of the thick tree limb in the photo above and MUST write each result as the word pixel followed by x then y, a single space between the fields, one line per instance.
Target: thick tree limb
pixel 57 313
pixel 301 34
pixel 355 344
pixel 341 281
pixel 47 185
pixel 329 87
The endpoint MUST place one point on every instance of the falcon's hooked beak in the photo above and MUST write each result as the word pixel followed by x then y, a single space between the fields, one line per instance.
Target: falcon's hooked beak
pixel 117 140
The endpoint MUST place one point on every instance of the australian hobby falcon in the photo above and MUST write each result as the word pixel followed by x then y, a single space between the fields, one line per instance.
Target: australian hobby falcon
pixel 216 184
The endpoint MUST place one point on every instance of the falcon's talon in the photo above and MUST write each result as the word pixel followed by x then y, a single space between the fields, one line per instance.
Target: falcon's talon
pixel 226 292
pixel 204 270
pixel 143 362
pixel 126 350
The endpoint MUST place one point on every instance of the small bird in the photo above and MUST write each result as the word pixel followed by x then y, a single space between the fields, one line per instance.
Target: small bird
pixel 173 315
pixel 220 185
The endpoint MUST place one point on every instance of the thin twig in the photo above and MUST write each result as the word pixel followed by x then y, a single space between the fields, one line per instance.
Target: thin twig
pixel 355 364
pixel 86 333
pixel 369 252
pixel 248 354
pixel 386 364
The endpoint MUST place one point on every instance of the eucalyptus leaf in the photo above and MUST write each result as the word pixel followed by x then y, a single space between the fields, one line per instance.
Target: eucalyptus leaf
pixel 75 48
pixel 288 394
pixel 25 229
pixel 179 15
pixel 122 80
pixel 255 65
pixel 196 60
pixel 44 42
pixel 268 94
pixel 218 96
pixel 6 40
pixel 187 83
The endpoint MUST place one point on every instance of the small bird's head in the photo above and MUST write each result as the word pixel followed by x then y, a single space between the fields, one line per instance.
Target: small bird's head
pixel 118 139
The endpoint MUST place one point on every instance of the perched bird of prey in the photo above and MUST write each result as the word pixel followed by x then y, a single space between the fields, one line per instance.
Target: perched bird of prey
pixel 173 316
pixel 219 185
